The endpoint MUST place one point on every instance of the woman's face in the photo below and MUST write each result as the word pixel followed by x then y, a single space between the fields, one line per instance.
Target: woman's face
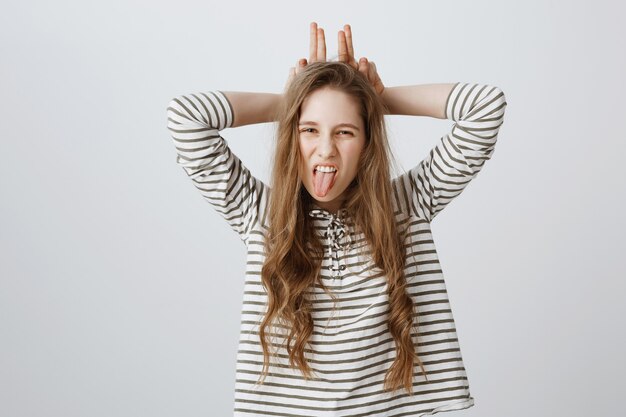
pixel 332 135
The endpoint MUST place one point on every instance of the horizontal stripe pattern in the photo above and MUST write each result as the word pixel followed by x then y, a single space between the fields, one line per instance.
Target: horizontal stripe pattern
pixel 194 121
pixel 443 174
pixel 351 348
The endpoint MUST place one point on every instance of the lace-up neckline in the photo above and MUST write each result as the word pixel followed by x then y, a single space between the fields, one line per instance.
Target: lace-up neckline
pixel 337 234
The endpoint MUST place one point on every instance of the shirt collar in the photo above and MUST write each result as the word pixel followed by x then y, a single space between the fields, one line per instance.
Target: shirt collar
pixel 337 234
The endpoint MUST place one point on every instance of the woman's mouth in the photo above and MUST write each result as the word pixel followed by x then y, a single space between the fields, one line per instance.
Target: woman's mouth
pixel 324 179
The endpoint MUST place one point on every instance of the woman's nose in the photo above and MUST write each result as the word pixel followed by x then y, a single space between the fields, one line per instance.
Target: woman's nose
pixel 326 147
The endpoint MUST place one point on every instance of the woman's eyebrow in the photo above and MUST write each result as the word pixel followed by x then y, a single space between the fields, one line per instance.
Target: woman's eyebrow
pixel 307 122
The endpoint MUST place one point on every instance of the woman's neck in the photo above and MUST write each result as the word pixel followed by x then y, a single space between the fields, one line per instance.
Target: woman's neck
pixel 330 206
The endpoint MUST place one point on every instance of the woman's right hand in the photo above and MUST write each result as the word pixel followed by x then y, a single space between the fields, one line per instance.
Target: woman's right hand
pixel 317 51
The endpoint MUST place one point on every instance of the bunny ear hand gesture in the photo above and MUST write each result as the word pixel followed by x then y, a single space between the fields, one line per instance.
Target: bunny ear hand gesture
pixel 317 53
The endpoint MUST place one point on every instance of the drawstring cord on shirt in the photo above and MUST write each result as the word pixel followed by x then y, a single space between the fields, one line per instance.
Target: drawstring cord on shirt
pixel 335 232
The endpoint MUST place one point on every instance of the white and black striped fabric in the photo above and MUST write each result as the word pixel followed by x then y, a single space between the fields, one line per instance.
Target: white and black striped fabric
pixel 351 347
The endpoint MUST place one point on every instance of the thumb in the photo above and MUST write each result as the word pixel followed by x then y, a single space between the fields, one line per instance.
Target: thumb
pixel 363 67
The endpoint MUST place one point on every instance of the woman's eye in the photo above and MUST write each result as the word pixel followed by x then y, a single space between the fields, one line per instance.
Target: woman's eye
pixel 311 130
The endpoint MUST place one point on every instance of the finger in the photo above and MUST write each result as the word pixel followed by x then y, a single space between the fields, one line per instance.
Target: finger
pixel 321 45
pixel 348 33
pixel 300 65
pixel 343 47
pixel 375 77
pixel 372 71
pixel 312 41
pixel 363 67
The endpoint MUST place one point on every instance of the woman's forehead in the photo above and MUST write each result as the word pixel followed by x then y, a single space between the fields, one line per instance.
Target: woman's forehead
pixel 330 106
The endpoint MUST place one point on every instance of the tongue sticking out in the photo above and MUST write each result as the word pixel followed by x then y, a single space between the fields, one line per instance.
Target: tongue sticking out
pixel 322 182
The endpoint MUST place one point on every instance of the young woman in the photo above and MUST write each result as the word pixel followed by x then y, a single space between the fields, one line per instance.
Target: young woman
pixel 345 310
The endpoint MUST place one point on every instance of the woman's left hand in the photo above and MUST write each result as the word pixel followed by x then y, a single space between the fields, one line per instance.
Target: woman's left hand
pixel 364 66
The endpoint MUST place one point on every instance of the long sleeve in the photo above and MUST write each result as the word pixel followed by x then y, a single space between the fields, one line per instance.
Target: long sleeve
pixel 195 121
pixel 458 157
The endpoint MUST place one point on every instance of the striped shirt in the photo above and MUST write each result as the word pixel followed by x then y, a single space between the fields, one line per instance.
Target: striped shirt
pixel 351 348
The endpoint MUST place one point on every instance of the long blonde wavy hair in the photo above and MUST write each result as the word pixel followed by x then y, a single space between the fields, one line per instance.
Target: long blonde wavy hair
pixel 293 250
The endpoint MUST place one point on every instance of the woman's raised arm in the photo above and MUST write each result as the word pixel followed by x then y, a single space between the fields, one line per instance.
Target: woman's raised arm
pixel 195 122
pixel 250 108
pixel 478 112
pixel 418 100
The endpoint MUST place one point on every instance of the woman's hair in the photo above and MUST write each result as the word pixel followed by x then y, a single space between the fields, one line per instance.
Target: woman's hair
pixel 293 250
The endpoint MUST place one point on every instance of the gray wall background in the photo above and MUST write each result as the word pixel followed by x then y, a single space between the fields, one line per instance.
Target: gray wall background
pixel 120 288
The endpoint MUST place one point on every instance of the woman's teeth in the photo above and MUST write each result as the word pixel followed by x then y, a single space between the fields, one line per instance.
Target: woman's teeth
pixel 326 169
